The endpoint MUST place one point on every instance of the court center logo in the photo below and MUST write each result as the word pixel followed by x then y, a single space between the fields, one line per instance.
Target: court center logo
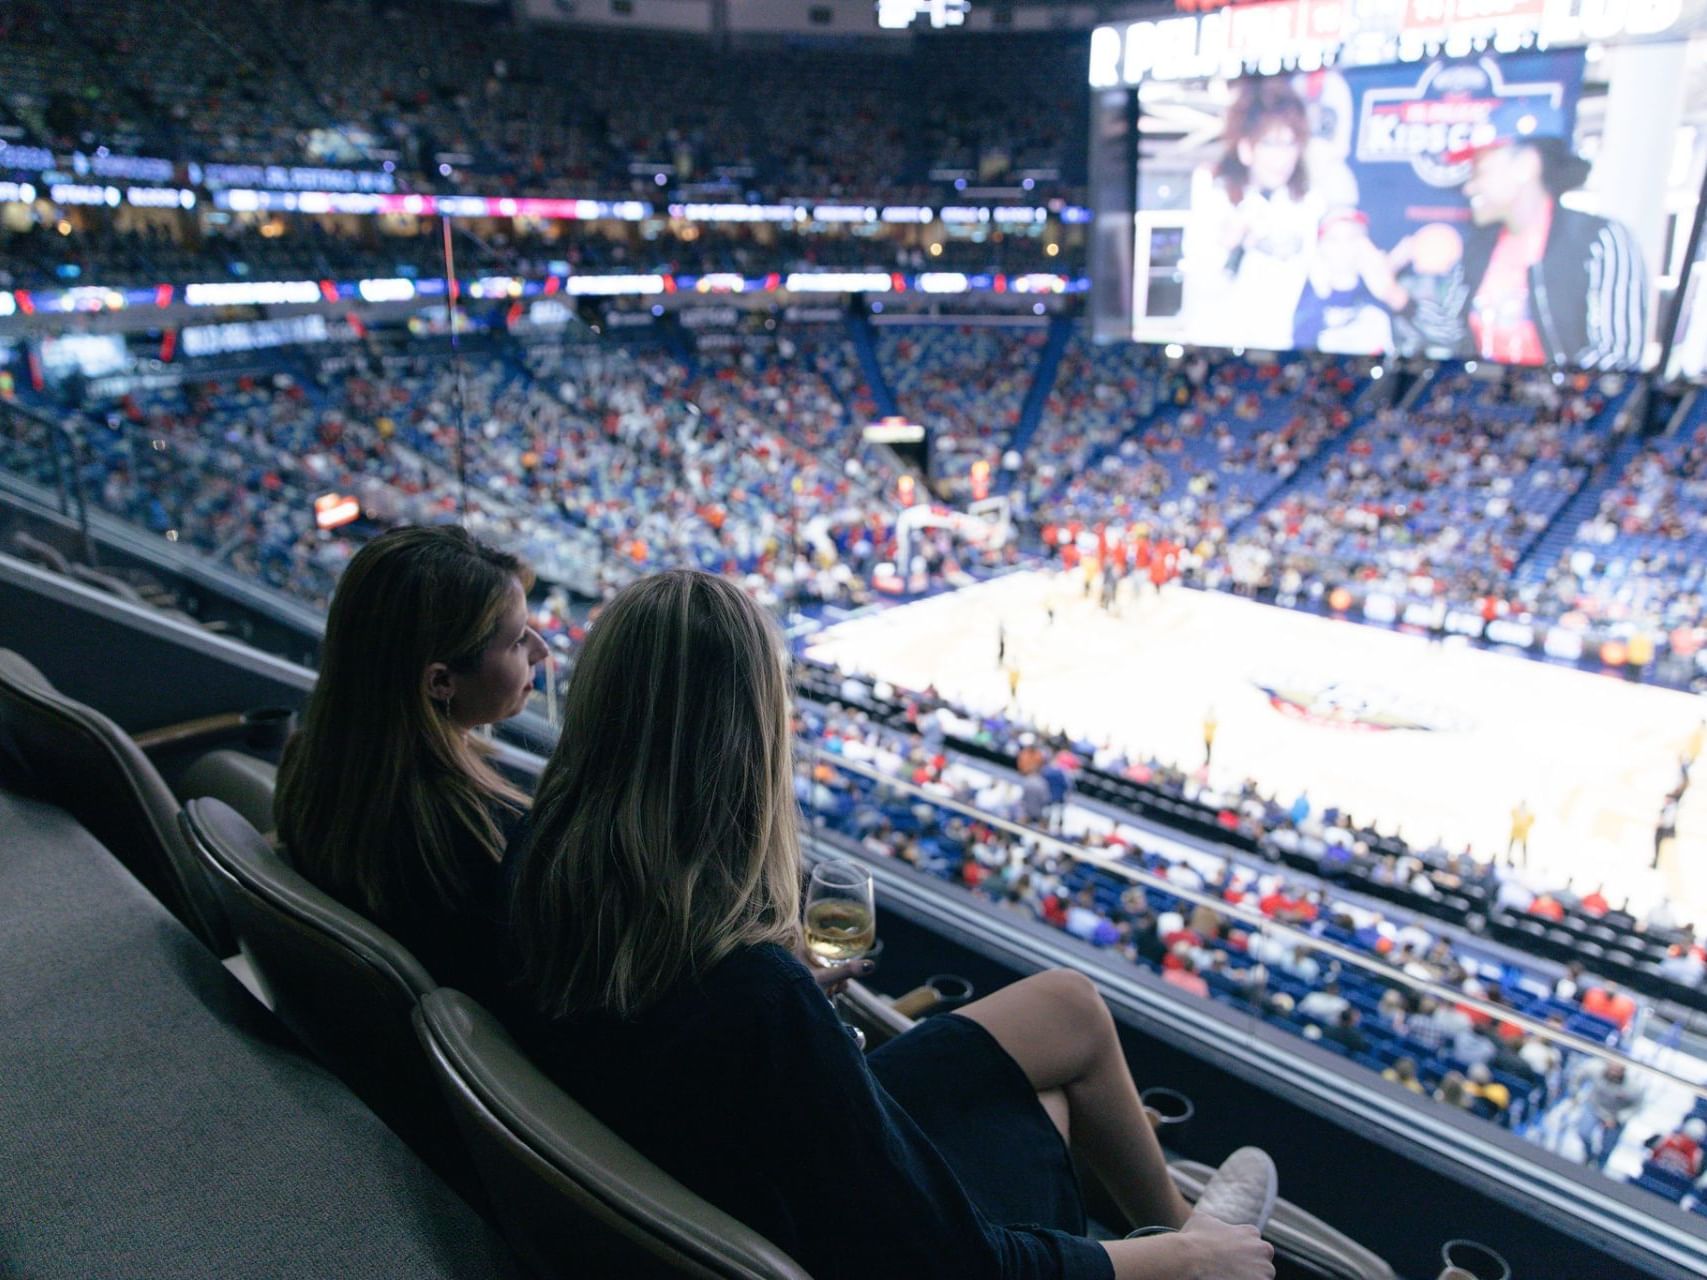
pixel 1454 108
pixel 1356 708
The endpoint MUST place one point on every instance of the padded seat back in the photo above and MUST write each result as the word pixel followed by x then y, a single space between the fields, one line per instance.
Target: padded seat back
pixel 55 748
pixel 342 984
pixel 573 1197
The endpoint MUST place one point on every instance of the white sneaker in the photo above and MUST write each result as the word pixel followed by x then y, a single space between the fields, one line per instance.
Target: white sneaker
pixel 1242 1190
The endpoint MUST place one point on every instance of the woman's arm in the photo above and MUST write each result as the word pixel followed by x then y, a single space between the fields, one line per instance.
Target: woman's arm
pixel 1204 1249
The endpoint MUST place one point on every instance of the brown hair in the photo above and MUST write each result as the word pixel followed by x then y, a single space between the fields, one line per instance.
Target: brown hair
pixel 381 793
pixel 1260 104
pixel 665 832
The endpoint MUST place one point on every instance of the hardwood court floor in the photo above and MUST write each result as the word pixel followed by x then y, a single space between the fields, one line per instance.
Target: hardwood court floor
pixel 1295 698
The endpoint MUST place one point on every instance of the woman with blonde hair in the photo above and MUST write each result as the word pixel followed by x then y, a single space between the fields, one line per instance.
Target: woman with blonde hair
pixel 655 925
pixel 387 799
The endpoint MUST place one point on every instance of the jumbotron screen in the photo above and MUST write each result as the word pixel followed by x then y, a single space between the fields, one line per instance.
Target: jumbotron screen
pixel 1525 208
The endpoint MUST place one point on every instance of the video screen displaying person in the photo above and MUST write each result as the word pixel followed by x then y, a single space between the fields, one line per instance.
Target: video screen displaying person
pixel 1253 219
pixel 1443 208
pixel 1544 283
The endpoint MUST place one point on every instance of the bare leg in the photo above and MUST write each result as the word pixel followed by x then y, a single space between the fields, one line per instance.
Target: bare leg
pixel 1056 1026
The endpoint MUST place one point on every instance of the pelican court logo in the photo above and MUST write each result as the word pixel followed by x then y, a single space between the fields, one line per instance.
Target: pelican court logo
pixel 1337 704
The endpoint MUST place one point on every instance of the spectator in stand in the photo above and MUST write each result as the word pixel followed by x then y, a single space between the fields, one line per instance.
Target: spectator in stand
pixel 1453 1091
pixel 1187 978
pixel 1325 1004
pixel 1147 940
pixel 1680 1151
pixel 1508 1058
pixel 1393 1008
pixel 1616 1007
pixel 387 798
pixel 1662 918
pixel 1472 1048
pixel 628 1008
pixel 1488 1097
pixel 1683 965
pixel 1404 1072
pixel 1609 1100
pixel 1343 1032
pixel 1541 1056
pixel 1300 965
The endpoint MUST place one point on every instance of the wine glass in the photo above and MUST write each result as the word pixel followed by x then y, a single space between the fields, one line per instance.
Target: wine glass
pixel 841 914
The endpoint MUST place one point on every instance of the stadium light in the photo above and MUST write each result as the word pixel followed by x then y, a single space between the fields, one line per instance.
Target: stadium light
pixel 898 15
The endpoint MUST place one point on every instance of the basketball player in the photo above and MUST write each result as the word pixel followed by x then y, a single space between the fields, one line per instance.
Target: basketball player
pixel 1210 724
pixel 1665 831
pixel 1522 820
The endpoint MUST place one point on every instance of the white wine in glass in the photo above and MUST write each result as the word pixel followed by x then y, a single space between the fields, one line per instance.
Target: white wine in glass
pixel 841 916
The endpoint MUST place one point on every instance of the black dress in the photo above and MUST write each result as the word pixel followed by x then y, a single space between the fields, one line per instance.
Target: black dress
pixel 979 1110
pixel 745 1086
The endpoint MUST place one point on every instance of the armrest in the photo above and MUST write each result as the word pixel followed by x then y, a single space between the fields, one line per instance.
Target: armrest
pixel 241 781
pixel 263 728
pixel 208 731
pixel 862 1007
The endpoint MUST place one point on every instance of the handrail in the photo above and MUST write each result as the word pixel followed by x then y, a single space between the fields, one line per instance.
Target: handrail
pixel 67 487
pixel 1255 919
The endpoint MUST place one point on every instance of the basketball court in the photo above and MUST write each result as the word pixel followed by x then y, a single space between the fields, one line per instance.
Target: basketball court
pixel 1438 740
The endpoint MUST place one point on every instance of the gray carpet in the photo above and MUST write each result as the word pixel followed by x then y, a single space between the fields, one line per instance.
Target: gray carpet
pixel 153 1123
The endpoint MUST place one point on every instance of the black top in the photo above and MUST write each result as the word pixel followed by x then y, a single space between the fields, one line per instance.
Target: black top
pixel 458 944
pixel 745 1086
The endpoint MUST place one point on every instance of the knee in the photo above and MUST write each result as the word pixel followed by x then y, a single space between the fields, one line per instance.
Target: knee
pixel 1074 999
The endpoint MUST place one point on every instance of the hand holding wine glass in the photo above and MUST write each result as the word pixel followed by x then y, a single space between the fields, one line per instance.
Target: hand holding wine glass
pixel 841 916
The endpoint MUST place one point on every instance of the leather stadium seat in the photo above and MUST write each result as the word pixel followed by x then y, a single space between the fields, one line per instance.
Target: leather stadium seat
pixel 37 552
pixel 573 1198
pixel 243 781
pixel 342 984
pixel 57 749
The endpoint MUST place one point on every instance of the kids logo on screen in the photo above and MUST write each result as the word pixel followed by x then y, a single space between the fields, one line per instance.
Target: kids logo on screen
pixel 1452 109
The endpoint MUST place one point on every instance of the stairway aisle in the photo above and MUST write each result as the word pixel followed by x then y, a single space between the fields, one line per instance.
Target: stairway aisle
pixel 859 329
pixel 1037 396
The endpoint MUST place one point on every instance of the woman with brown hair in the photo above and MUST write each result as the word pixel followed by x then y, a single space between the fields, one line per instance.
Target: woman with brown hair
pixel 386 798
pixel 1253 222
pixel 655 921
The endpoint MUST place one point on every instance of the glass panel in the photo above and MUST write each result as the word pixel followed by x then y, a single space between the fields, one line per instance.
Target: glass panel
pixel 1590 1073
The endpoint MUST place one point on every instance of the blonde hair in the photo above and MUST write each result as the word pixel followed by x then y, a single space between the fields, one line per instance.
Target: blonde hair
pixel 381 794
pixel 665 832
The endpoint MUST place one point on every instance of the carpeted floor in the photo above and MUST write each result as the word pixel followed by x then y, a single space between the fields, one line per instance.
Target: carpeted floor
pixel 154 1123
